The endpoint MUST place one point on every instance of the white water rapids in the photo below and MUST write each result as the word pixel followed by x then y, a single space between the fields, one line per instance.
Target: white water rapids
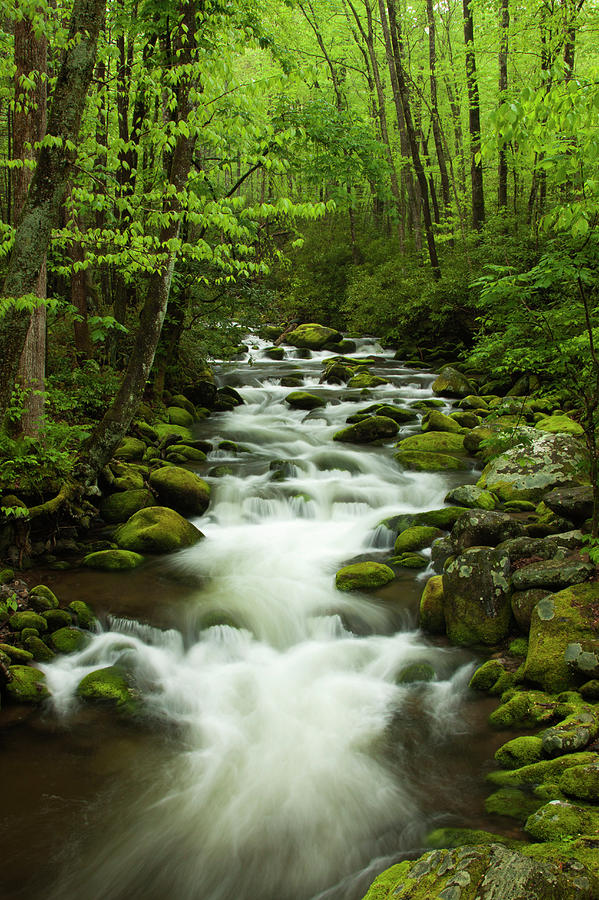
pixel 294 744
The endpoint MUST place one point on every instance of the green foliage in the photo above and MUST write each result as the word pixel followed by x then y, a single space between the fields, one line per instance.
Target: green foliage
pixel 83 392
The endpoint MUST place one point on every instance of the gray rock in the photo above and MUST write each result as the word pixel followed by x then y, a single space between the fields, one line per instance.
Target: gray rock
pixel 484 528
pixel 476 590
pixel 554 574
pixel 574 503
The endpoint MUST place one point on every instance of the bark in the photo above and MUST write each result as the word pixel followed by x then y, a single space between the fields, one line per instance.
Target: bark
pixel 83 344
pixel 29 127
pixel 476 166
pixel 48 186
pixel 418 168
pixel 436 121
pixel 107 435
pixel 503 82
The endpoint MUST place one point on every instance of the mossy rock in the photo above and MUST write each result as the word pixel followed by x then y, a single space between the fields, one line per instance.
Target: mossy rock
pixel 416 538
pixel 373 428
pixel 434 442
pixel 27 619
pixel 524 709
pixel 182 402
pixel 69 640
pixel 312 336
pixel 486 676
pixel 512 802
pixel 466 419
pixel 560 819
pixel 113 560
pixel 85 616
pixel 42 598
pixel 120 506
pixel 16 654
pixel 181 490
pixel 41 652
pixel 431 615
pixel 559 425
pixel 521 751
pixel 364 576
pixel 399 414
pixel 557 621
pixel 57 618
pixel 416 673
pixel 443 518
pixel 523 603
pixel 471 496
pixel 304 400
pixel 518 647
pixel 27 685
pixel 109 685
pixel 581 782
pixel 130 449
pixel 477 592
pixel 546 771
pixel 421 461
pixel 409 561
pixel 458 837
pixel 6 576
pixel 573 733
pixel 157 530
pixel 451 383
pixel 438 421
pixel 189 454
pixel 365 380
pixel 274 352
pixel 178 416
pixel 166 430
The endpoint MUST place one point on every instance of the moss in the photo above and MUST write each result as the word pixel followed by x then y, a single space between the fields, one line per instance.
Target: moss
pixel 364 576
pixel 416 672
pixel 398 413
pixel 69 640
pixel 373 428
pixel 108 685
pixel 512 802
pixel 86 617
pixel 443 518
pixel 16 654
pixel 547 770
pixel 57 618
pixel 178 416
pixel 304 400
pixel 559 819
pixel 120 506
pixel 524 708
pixel 190 454
pixel 312 336
pixel 181 490
pixel 42 598
pixel 27 685
pixel 518 647
pixel 409 561
pixel 457 837
pixel 521 751
pixel 487 675
pixel 130 449
pixel 432 617
pixel 434 442
pixel 581 782
pixel 560 424
pixel 365 380
pixel 41 652
pixel 178 431
pixel 157 530
pixel 573 733
pixel 182 401
pixel 7 575
pixel 416 538
pixel 386 882
pixel 27 619
pixel 113 560
pixel 471 496
pixel 421 461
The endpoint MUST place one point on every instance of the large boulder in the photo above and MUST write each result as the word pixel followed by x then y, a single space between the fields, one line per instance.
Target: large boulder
pixel 484 528
pixel 120 506
pixel 364 576
pixel 434 442
pixel 530 470
pixel 113 560
pixel 304 400
pixel 373 428
pixel 26 685
pixel 559 424
pixel 476 590
pixel 575 503
pixel 435 420
pixel 312 336
pixel 181 489
pixel 552 574
pixel 452 383
pixel 557 621
pixel 471 496
pixel 130 449
pixel 157 530
pixel 421 461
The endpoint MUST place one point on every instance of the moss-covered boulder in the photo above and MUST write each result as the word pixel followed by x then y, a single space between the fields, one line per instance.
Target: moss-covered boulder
pixel 581 782
pixel 113 560
pixel 524 709
pixel 166 431
pixel 421 461
pixel 42 598
pixel 274 353
pixel 312 336
pixel 484 528
pixel 57 618
pixel 476 590
pixel 523 603
pixel 431 615
pixel 40 651
pixel 16 654
pixel 399 414
pixel 130 449
pixel 365 380
pixel 546 771
pixel 560 819
pixel 443 518
pixel 187 453
pixel 452 383
pixel 575 503
pixel 521 751
pixel 181 490
pixel 178 416
pixel 120 506
pixel 543 462
pixel 157 530
pixel 486 676
pixel 69 640
pixel 559 425
pixel 552 574
pixel 434 442
pixel 512 802
pixel 109 685
pixel 486 870
pixel 435 420
pixel 471 496
pixel 304 400
pixel 27 619
pixel 558 620
pixel 415 673
pixel 26 685
pixel 416 538
pixel 364 576
pixel 84 614
pixel 373 428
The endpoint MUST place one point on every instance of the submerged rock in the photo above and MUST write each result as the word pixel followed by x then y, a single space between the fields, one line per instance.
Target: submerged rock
pixel 364 576
pixel 113 560
pixel 157 530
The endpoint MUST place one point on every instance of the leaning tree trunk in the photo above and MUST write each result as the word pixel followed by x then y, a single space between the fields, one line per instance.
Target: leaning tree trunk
pixel 48 186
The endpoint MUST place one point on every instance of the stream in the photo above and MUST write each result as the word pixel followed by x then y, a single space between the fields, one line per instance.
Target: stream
pixel 279 758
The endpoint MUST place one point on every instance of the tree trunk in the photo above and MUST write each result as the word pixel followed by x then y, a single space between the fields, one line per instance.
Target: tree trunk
pixel 476 165
pixel 436 123
pixel 29 127
pixel 503 81
pixel 48 186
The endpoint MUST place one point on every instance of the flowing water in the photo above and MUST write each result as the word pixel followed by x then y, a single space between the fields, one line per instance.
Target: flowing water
pixel 279 758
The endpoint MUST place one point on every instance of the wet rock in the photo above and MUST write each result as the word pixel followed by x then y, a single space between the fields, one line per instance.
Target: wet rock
pixel 292 381
pixel 525 547
pixel 583 658
pixel 473 401
pixel 109 685
pixel 186 453
pixel 484 528
pixel 69 640
pixel 575 503
pixel 523 603
pixel 441 551
pixel 521 751
pixel 416 672
pixel 524 708
pixel 157 530
pixel 26 685
pixel 434 442
pixel 416 538
pixel 547 771
pixel 397 413
pixel 304 400
pixel 181 490
pixel 130 449
pixel 559 425
pixel 57 618
pixel 409 561
pixel 421 461
pixel 466 419
pixel 574 733
pixel 432 617
pixel 443 518
pixel 40 651
pixel 27 619
pixel 176 432
pixel 512 802
pixel 365 380
pixel 528 472
pixel 85 616
pixel 16 654
pixel 486 676
pixel 581 782
pixel 335 373
pixel 113 560
pixel 560 819
pixel 312 336
pixel 452 383
pixel 42 598
pixel 364 576
pixel 274 353
pixel 120 506
pixel 181 401
pixel 438 421
pixel 477 592
pixel 373 428
pixel 557 621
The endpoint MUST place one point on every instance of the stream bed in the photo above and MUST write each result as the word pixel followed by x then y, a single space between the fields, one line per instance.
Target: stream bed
pixel 279 758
